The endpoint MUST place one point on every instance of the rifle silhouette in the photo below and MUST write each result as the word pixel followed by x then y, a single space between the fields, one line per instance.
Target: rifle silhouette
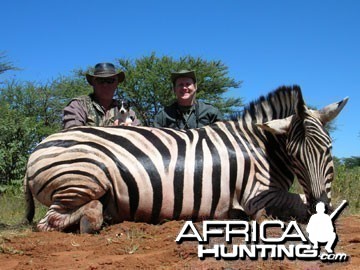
pixel 335 213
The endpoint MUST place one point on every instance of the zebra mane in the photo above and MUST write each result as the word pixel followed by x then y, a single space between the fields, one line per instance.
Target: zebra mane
pixel 281 103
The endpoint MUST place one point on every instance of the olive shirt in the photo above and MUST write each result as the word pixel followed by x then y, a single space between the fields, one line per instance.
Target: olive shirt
pixel 85 111
pixel 178 117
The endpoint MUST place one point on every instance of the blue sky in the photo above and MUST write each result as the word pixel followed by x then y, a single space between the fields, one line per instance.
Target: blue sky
pixel 265 44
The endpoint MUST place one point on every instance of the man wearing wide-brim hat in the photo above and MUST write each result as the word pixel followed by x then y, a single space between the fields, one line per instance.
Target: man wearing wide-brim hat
pixel 99 108
pixel 186 112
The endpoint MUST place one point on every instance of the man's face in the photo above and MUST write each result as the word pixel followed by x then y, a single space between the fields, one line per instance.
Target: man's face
pixel 105 86
pixel 185 90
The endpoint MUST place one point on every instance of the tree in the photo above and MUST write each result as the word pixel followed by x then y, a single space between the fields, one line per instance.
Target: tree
pixel 29 113
pixel 65 88
pixel 16 140
pixel 5 65
pixel 33 101
pixel 352 162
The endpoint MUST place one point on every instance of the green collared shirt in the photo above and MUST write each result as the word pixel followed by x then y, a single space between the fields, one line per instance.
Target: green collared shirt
pixel 198 115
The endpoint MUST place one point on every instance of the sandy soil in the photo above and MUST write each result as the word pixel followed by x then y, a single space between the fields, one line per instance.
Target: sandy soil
pixel 132 245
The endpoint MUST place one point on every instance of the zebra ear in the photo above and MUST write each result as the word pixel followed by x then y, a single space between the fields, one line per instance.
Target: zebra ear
pixel 329 112
pixel 278 126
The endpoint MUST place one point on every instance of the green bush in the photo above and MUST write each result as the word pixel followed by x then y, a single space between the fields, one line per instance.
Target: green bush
pixel 346 187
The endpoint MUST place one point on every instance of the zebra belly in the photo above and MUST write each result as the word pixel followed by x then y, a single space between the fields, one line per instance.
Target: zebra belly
pixel 182 205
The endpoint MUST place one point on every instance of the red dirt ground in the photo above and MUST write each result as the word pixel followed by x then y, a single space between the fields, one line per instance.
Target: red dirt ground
pixel 132 245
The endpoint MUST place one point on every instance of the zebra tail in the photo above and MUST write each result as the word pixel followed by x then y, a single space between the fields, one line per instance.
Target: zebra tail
pixel 29 200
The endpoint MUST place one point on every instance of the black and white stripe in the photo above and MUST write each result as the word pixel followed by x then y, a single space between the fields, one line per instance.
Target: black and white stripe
pixel 150 174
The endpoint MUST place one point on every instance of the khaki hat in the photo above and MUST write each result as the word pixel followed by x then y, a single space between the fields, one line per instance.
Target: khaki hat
pixel 183 73
pixel 103 70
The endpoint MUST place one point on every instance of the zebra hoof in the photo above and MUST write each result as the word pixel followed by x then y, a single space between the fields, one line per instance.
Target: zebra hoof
pixel 87 226
pixel 260 216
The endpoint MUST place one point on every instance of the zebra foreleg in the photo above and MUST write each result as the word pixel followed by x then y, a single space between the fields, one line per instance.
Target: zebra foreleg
pixel 284 206
pixel 88 216
pixel 290 206
pixel 92 217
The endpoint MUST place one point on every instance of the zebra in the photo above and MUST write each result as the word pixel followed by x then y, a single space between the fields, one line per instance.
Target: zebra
pixel 89 176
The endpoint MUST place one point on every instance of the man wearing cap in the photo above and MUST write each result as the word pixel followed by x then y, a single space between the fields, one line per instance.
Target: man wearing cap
pixel 186 112
pixel 99 108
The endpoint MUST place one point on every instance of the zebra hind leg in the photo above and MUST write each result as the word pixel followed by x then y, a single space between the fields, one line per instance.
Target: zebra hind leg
pixel 89 217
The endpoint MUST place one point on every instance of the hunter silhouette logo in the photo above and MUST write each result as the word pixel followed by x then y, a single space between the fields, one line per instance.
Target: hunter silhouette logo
pixel 253 242
pixel 320 227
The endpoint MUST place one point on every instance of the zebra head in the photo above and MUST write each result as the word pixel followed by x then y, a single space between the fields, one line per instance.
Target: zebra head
pixel 308 146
